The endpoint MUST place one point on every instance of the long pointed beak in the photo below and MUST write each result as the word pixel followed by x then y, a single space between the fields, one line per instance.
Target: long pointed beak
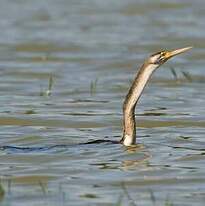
pixel 170 54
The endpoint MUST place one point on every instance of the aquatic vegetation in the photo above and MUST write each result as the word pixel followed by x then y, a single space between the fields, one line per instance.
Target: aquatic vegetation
pixel 50 85
pixel 174 73
pixel 30 111
pixel 187 76
pixel 43 187
pixel 2 192
pixel 132 202
pixel 93 86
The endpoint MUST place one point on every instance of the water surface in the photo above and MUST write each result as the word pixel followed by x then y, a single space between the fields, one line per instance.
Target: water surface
pixel 91 50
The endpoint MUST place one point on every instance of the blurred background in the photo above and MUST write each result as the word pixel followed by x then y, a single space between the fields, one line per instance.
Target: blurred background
pixel 65 68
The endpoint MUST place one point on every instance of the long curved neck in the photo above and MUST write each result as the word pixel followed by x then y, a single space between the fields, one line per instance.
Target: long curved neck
pixel 134 93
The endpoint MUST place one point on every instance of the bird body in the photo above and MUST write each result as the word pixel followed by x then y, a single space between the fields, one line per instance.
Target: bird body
pixel 136 89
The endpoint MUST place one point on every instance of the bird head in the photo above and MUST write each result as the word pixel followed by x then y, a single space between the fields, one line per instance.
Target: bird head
pixel 161 57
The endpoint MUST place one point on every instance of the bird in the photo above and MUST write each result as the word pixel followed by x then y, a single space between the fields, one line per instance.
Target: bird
pixel 134 93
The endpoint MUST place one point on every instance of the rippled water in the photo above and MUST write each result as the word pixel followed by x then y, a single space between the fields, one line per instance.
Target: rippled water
pixel 89 51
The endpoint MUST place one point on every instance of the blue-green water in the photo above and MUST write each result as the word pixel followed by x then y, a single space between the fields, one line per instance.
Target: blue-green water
pixel 92 49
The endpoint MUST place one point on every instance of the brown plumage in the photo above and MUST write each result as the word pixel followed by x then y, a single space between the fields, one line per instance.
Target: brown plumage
pixel 136 89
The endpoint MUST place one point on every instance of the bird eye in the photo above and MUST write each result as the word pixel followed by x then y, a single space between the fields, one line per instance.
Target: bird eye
pixel 162 53
pixel 159 57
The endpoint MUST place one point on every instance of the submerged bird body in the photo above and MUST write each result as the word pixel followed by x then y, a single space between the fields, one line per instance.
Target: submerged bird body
pixel 136 89
pixel 134 93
